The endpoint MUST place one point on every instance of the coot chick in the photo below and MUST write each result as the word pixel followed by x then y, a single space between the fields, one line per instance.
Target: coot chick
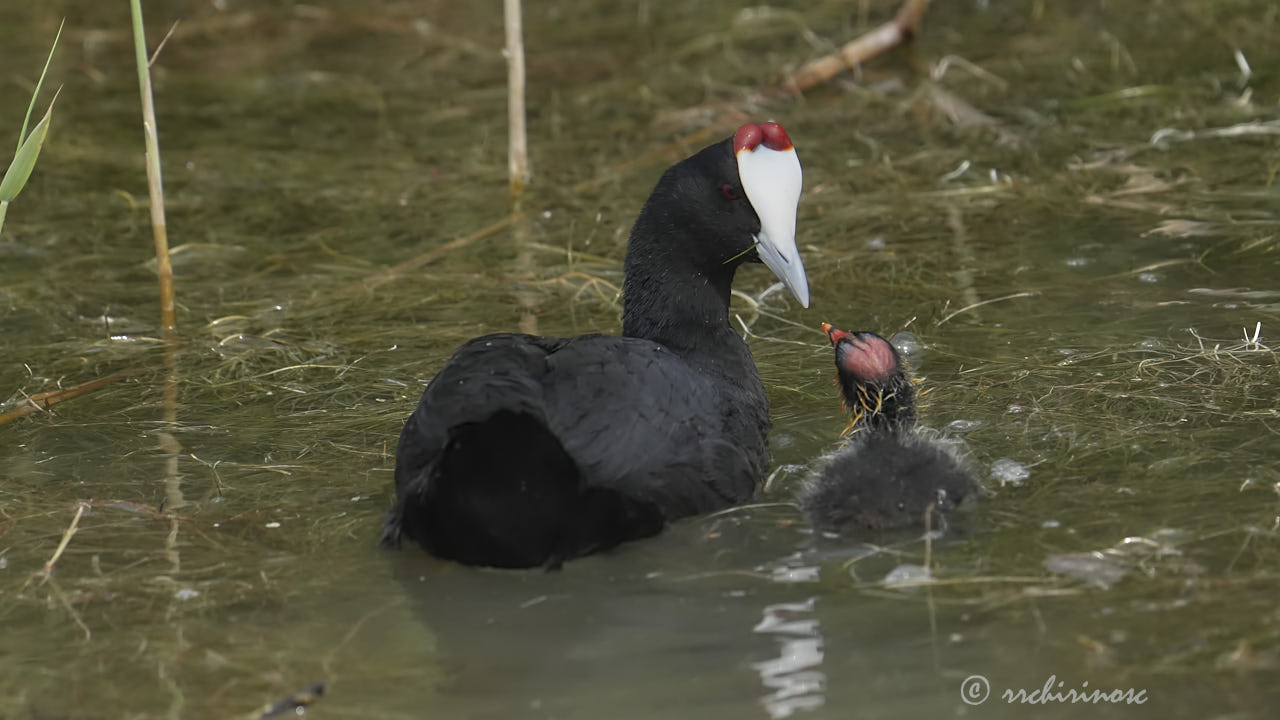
pixel 887 473
pixel 527 451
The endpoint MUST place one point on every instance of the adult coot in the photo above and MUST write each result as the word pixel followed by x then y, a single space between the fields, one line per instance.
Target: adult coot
pixel 887 473
pixel 527 451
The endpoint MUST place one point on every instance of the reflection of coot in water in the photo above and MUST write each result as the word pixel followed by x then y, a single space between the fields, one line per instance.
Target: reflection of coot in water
pixel 637 635
pixel 887 473
pixel 528 451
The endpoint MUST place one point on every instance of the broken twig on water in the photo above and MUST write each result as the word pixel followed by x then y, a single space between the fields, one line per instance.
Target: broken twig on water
pixel 897 31
pixel 45 400
pixel 66 539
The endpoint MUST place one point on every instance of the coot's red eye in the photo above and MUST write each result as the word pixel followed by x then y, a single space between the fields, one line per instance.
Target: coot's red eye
pixel 728 192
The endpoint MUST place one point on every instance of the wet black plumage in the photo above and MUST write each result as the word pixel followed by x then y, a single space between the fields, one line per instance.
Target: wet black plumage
pixel 888 473
pixel 527 451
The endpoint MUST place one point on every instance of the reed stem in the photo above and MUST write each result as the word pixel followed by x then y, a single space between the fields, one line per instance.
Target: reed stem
pixel 155 182
pixel 517 140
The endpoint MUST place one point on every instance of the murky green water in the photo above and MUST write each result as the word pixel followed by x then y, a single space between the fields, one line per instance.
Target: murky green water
pixel 1060 267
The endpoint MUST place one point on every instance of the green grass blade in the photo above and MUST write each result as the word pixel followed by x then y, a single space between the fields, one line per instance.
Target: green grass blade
pixel 15 178
pixel 39 83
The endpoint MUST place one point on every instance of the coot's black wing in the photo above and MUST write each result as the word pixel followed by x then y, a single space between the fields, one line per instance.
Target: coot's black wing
pixel 649 438
pixel 505 371
pixel 639 420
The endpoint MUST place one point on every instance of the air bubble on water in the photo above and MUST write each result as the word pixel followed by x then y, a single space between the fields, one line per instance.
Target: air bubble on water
pixel 1009 472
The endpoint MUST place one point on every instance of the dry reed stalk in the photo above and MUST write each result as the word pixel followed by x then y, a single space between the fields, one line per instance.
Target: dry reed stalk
pixel 517 139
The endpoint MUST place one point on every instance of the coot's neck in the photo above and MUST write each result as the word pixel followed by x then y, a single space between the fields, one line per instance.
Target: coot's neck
pixel 679 273
pixel 669 299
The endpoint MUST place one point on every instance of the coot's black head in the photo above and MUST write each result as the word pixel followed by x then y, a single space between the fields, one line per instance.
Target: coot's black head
pixel 731 202
pixel 873 380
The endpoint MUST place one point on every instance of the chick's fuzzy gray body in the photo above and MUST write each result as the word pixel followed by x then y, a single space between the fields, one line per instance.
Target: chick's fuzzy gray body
pixel 881 481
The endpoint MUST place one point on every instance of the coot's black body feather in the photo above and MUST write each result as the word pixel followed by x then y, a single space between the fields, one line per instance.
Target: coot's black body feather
pixel 632 415
pixel 528 451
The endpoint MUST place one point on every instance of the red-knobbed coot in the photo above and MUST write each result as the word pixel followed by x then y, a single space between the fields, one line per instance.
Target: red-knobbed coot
pixel 527 451
pixel 887 473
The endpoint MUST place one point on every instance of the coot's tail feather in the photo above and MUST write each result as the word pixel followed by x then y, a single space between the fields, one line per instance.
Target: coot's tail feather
pixel 504 492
